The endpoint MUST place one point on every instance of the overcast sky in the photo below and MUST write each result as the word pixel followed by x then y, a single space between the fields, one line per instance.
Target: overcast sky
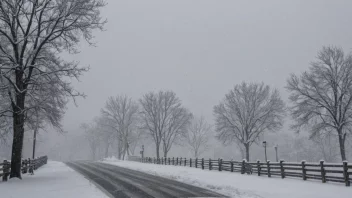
pixel 201 48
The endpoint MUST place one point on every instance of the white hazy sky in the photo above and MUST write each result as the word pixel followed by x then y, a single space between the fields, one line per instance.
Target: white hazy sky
pixel 201 48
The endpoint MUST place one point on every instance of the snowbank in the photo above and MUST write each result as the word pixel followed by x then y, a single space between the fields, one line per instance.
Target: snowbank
pixel 53 180
pixel 237 185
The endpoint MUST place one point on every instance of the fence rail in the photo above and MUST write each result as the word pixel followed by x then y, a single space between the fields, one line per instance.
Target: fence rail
pixel 27 166
pixel 326 172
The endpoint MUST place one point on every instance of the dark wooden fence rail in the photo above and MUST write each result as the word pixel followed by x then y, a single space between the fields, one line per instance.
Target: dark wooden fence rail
pixel 326 172
pixel 27 166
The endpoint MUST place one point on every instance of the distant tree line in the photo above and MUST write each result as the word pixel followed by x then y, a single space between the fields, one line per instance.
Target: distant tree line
pixel 320 103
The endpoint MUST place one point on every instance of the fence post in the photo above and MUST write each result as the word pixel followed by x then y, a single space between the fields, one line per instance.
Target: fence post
pixel 190 162
pixel 173 160
pixel 181 161
pixel 196 163
pixel 209 163
pixel 304 170
pixel 5 171
pixel 322 170
pixel 27 165
pixel 268 164
pixel 243 168
pixel 259 168
pixel 34 162
pixel 220 164
pixel 22 166
pixel 185 162
pixel 231 166
pixel 203 163
pixel 345 173
pixel 176 161
pixel 282 169
pixel 31 168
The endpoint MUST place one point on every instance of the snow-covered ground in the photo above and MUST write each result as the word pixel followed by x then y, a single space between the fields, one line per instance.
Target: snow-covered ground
pixel 53 180
pixel 242 186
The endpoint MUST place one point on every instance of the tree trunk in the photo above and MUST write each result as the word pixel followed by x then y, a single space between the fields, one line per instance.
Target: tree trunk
pixel 34 142
pixel 106 150
pixel 93 153
pixel 119 148
pixel 157 150
pixel 18 131
pixel 247 151
pixel 342 139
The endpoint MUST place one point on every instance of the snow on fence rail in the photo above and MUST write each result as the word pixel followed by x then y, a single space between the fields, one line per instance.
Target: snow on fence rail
pixel 326 172
pixel 27 166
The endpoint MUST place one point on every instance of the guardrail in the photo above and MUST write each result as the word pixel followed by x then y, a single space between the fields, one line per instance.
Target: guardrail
pixel 27 166
pixel 326 172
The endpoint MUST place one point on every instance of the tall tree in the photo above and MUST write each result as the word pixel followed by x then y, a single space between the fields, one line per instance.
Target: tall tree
pixel 32 35
pixel 124 116
pixel 322 96
pixel 197 136
pixel 248 111
pixel 164 118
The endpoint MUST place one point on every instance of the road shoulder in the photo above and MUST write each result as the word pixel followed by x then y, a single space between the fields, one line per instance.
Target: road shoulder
pixel 53 180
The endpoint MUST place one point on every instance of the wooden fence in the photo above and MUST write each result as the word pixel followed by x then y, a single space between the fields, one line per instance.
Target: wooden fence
pixel 326 172
pixel 27 166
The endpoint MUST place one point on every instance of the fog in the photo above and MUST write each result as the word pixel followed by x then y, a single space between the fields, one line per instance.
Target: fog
pixel 199 49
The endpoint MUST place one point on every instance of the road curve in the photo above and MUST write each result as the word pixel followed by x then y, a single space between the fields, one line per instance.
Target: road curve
pixel 122 182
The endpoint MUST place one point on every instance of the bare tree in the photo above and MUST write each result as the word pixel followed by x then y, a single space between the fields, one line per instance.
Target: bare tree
pixel 322 96
pixel 123 113
pixel 328 146
pixel 164 118
pixel 176 127
pixel 247 112
pixel 197 136
pixel 91 133
pixel 106 132
pixel 32 35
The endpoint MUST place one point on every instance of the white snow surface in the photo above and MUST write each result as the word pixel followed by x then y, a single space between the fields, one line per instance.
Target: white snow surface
pixel 53 180
pixel 238 185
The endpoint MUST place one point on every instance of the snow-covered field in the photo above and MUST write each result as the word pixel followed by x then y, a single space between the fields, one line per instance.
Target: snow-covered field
pixel 53 180
pixel 241 186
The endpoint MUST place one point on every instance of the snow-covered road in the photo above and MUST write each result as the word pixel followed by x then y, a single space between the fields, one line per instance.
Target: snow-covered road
pixel 126 183
pixel 241 186
pixel 53 180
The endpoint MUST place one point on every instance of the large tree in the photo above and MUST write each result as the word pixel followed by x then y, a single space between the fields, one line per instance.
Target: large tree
pixel 164 118
pixel 322 96
pixel 124 117
pixel 32 35
pixel 246 112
